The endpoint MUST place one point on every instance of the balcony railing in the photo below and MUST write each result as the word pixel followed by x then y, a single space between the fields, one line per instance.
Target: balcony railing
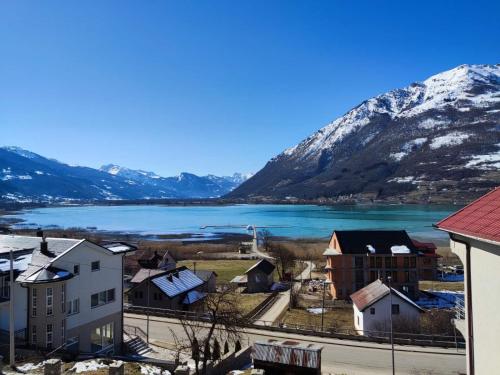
pixel 459 308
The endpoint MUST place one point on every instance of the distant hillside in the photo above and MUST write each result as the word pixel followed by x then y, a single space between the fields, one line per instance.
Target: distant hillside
pixel 29 177
pixel 433 141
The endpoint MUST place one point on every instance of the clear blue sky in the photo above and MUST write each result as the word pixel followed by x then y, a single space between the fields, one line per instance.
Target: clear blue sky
pixel 214 86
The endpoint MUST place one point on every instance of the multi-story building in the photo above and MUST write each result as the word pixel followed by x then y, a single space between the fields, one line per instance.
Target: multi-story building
pixel 475 237
pixel 72 293
pixel 355 258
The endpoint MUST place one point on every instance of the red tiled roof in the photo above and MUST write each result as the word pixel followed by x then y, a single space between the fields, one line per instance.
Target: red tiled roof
pixel 479 219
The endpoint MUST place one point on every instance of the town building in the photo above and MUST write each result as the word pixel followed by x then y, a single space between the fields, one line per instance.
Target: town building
pixel 475 237
pixel 372 309
pixel 156 261
pixel 70 292
pixel 177 289
pixel 258 278
pixel 209 280
pixel 355 258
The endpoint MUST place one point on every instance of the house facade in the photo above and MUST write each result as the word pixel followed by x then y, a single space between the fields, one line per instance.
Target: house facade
pixel 358 257
pixel 475 237
pixel 372 307
pixel 73 291
pixel 178 289
pixel 260 277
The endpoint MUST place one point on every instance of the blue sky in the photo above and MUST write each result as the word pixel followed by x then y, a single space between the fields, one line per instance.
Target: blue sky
pixel 214 86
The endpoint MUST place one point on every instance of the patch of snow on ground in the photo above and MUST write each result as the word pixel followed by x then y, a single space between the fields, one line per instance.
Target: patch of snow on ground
pixel 316 310
pixel 153 370
pixel 487 161
pixel 28 367
pixel 431 123
pixel 450 139
pixel 398 155
pixel 85 366
pixel 403 180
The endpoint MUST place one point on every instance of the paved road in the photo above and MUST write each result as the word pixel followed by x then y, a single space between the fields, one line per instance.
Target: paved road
pixel 339 356
pixel 283 301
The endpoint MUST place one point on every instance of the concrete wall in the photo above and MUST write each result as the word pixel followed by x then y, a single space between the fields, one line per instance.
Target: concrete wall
pixel 485 283
pixel 20 309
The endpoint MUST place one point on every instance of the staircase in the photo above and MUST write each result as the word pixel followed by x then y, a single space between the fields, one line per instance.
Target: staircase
pixel 138 346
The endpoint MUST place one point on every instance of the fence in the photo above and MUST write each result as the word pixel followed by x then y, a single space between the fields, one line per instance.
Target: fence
pixel 459 308
pixel 401 338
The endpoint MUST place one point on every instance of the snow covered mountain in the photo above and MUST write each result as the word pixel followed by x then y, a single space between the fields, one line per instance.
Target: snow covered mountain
pixel 29 177
pixel 434 140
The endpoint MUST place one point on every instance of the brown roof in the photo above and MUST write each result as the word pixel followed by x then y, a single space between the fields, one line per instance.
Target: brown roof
pixel 144 273
pixel 374 292
pixel 479 219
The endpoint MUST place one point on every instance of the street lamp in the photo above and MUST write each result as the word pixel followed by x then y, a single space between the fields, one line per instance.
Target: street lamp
pixel 325 283
pixel 389 278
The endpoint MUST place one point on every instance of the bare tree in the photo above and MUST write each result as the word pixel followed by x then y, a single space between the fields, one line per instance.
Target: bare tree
pixel 265 237
pixel 221 322
pixel 285 258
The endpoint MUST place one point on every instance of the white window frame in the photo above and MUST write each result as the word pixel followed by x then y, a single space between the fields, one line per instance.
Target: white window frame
pixel 103 298
pixel 49 335
pixel 49 301
pixel 34 295
pixel 63 298
pixel 63 330
pixel 33 335
pixel 73 307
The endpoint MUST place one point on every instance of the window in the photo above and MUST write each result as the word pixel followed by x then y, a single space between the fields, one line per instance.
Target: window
pixel 95 266
pixel 406 262
pixel 395 309
pixel 138 294
pixel 413 262
pixel 49 336
pixel 4 287
pixel 394 276
pixel 33 335
pixel 378 261
pixel 63 298
pixel 372 310
pixel 388 262
pixel 359 276
pixel 102 337
pixel 74 306
pixel 394 262
pixel 358 262
pixel 33 302
pixel 407 276
pixel 373 275
pixel 63 330
pixel 76 269
pixel 372 262
pixel 49 300
pixel 101 298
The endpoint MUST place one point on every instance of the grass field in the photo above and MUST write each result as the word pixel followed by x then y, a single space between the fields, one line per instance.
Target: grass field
pixel 455 286
pixel 226 269
pixel 338 317
pixel 247 302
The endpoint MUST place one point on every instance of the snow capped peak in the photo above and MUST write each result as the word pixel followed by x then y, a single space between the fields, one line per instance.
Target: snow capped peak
pixel 21 152
pixel 111 169
pixel 456 87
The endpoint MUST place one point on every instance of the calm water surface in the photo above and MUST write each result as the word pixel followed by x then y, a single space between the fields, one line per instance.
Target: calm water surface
pixel 298 220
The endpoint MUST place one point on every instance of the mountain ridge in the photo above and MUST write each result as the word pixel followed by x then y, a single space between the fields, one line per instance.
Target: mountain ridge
pixel 29 177
pixel 374 150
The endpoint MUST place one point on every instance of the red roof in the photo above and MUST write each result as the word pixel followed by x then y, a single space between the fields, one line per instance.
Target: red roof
pixel 479 219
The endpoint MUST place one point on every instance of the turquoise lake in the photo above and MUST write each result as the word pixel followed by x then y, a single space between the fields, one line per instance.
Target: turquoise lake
pixel 298 221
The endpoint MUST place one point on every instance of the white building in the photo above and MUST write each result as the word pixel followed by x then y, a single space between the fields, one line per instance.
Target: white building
pixel 372 308
pixel 71 293
pixel 475 237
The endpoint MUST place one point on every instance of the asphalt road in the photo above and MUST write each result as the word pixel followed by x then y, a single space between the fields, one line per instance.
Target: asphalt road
pixel 339 356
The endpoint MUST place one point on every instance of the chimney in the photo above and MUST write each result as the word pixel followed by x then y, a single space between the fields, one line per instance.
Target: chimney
pixel 39 232
pixel 44 248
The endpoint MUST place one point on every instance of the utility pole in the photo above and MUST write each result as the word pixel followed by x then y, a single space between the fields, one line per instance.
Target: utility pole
pixel 11 313
pixel 325 283
pixel 147 314
pixel 390 319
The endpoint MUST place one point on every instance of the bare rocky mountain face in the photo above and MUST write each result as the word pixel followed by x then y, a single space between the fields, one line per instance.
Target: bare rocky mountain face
pixel 433 141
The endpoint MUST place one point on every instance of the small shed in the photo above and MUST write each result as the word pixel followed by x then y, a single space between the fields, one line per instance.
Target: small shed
pixel 287 357
pixel 372 309
pixel 260 277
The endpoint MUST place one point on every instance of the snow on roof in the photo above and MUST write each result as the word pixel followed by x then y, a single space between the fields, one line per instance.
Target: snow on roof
pixel 402 249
